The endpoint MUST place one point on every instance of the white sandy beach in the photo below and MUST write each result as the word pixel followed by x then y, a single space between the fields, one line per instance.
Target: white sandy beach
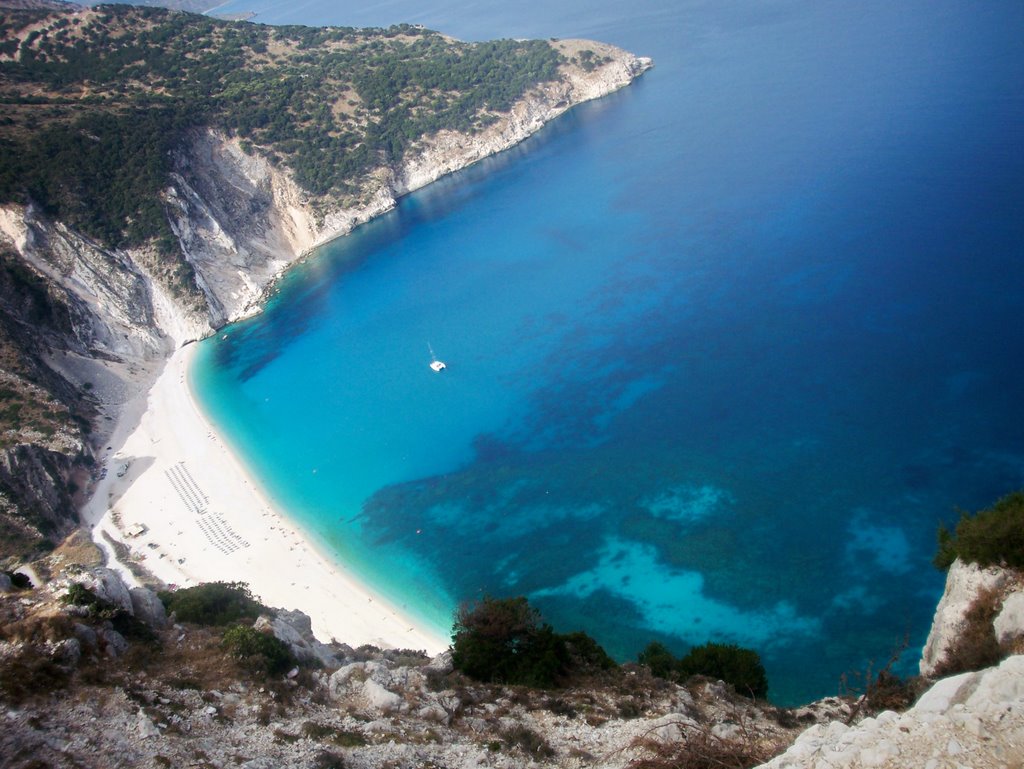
pixel 206 519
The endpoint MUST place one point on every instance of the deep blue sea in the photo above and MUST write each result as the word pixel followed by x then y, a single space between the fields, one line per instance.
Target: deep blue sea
pixel 723 348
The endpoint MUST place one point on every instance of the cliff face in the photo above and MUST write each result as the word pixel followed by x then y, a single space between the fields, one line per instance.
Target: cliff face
pixel 980 607
pixel 449 151
pixel 241 221
pixel 972 715
pixel 113 316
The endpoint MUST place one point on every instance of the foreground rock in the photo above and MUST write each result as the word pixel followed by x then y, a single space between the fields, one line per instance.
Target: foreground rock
pixel 106 683
pixel 83 686
pixel 973 719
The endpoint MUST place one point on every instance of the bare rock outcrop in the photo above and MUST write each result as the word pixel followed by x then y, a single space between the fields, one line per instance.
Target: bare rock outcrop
pixel 1009 624
pixel 148 608
pixel 965 583
pixel 295 629
pixel 973 719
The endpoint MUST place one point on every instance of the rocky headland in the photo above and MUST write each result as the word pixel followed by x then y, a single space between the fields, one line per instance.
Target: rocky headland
pixel 86 328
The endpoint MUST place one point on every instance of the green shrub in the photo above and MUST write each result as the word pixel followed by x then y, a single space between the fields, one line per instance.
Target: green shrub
pixel 99 609
pixel 80 595
pixel 659 660
pixel 260 652
pixel 214 603
pixel 727 662
pixel 731 663
pixel 586 654
pixel 505 641
pixel 992 537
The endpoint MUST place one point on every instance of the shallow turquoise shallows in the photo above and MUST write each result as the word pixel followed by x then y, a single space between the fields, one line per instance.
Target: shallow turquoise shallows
pixel 722 348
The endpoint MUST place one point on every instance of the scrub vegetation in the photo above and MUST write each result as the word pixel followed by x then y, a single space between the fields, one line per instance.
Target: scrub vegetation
pixel 505 640
pixel 214 604
pixel 95 102
pixel 992 537
pixel 728 662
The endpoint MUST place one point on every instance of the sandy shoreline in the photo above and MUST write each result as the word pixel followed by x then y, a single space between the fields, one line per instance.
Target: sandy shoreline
pixel 206 519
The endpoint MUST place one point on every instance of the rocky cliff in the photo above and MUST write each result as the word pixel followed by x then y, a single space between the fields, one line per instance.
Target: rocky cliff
pixel 973 712
pixel 111 683
pixel 101 677
pixel 973 719
pixel 113 316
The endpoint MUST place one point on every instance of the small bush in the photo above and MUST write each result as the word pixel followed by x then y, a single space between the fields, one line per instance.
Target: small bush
pixel 731 663
pixel 992 537
pixel 347 739
pixel 890 692
pixel 560 707
pixel 727 662
pixel 528 741
pixel 258 651
pixel 214 604
pixel 659 660
pixel 315 731
pixel 586 654
pixel 280 735
pixel 703 750
pixel 629 708
pixel 503 640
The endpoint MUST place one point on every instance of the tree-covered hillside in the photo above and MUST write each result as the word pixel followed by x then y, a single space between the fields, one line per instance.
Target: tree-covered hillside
pixel 95 100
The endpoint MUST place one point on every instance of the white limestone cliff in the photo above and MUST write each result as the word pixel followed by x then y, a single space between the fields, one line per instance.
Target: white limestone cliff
pixel 964 583
pixel 973 719
pixel 240 223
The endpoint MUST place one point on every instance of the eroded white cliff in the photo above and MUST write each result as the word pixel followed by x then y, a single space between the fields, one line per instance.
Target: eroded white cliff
pixel 965 582
pixel 240 222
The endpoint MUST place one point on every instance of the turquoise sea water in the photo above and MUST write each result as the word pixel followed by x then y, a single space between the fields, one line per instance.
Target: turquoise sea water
pixel 723 348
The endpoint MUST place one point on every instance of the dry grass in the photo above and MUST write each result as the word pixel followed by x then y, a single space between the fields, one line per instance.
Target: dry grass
pixel 702 749
pixel 976 646
pixel 77 549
